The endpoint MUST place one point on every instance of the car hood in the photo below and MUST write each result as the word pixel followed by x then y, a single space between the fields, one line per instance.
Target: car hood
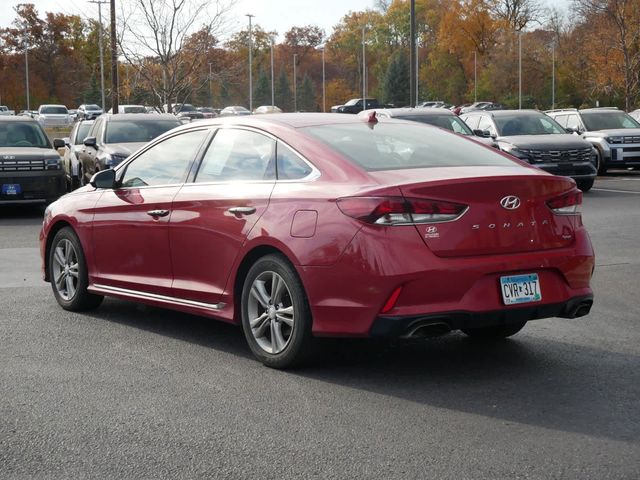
pixel 27 153
pixel 545 141
pixel 617 132
pixel 122 149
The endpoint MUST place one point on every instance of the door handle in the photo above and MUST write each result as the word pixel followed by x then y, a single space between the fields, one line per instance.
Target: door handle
pixel 158 213
pixel 242 210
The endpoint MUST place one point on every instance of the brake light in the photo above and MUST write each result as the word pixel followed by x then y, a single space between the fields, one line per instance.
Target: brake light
pixel 400 210
pixel 567 204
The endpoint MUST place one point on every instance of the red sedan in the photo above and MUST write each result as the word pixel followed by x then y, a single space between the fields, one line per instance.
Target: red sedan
pixel 303 225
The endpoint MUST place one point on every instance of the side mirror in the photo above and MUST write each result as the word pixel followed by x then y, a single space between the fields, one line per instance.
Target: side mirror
pixel 67 141
pixel 104 179
pixel 482 133
pixel 59 143
pixel 90 142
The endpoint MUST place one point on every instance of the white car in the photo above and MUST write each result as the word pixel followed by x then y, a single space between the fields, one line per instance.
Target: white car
pixel 53 116
pixel 130 109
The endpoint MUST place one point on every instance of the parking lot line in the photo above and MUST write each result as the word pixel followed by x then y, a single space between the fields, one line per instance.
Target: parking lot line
pixel 614 191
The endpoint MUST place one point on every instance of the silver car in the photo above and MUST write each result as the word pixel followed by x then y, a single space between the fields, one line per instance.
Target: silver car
pixel 53 116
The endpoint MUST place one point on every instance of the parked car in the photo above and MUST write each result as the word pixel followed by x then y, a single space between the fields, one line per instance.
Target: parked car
pixel 113 137
pixel 355 106
pixel 70 162
pixel 532 136
pixel 234 110
pixel 635 115
pixel 614 134
pixel 28 113
pixel 4 110
pixel 188 111
pixel 303 225
pixel 432 104
pixel 438 117
pixel 474 106
pixel 30 168
pixel 53 116
pixel 130 109
pixel 208 112
pixel 88 111
pixel 458 109
pixel 267 109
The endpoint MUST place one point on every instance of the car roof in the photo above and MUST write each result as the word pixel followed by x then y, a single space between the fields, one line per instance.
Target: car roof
pixel 52 105
pixel 423 112
pixel 502 113
pixel 120 117
pixel 17 118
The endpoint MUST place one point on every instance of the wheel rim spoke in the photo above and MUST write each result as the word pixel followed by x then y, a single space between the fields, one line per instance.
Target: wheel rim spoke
pixel 277 340
pixel 277 285
pixel 285 315
pixel 259 292
pixel 59 279
pixel 59 257
pixel 73 270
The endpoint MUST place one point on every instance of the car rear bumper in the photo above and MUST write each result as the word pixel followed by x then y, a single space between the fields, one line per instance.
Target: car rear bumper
pixel 424 325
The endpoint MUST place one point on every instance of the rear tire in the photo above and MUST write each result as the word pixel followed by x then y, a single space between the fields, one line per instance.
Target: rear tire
pixel 495 332
pixel 585 185
pixel 68 273
pixel 600 166
pixel 276 317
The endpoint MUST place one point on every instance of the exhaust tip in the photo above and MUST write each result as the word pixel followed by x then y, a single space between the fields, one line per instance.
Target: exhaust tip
pixel 582 309
pixel 427 330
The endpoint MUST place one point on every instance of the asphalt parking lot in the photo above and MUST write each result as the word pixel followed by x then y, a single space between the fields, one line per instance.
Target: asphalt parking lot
pixel 129 391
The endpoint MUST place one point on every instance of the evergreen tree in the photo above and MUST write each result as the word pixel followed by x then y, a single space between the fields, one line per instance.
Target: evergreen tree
pixel 396 82
pixel 92 94
pixel 225 97
pixel 284 97
pixel 307 96
pixel 262 90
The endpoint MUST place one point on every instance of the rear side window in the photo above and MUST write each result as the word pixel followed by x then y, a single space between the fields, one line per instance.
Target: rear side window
pixel 561 119
pixel 394 146
pixel 289 165
pixel 486 124
pixel 471 121
pixel 236 154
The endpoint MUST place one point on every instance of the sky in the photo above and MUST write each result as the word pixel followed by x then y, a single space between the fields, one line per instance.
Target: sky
pixel 279 15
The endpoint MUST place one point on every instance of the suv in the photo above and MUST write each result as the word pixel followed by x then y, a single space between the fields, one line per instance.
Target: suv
pixel 30 169
pixel 88 112
pixel 532 136
pixel 53 116
pixel 355 106
pixel 614 134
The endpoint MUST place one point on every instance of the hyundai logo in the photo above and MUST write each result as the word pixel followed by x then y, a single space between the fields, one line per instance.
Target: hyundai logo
pixel 510 202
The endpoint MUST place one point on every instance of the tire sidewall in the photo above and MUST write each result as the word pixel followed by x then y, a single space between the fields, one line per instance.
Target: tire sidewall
pixel 302 325
pixel 74 303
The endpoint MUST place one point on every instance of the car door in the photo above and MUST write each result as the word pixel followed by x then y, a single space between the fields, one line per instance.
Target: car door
pixel 130 227
pixel 87 155
pixel 213 215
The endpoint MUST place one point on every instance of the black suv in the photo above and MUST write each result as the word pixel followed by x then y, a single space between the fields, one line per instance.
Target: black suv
pixel 532 136
pixel 30 168
pixel 614 134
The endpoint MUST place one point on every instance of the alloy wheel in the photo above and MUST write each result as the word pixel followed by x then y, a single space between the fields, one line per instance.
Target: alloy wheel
pixel 271 312
pixel 65 269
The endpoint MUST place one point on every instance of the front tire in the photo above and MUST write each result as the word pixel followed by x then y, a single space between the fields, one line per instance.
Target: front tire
pixel 600 166
pixel 68 273
pixel 585 185
pixel 276 317
pixel 495 332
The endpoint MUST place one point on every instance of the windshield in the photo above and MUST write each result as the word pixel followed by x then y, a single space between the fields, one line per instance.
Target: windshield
pixel 353 101
pixel 54 110
pixel 527 124
pixel 92 107
pixel 83 129
pixel 396 146
pixel 608 120
pixel 187 107
pixel 137 132
pixel 448 122
pixel 21 134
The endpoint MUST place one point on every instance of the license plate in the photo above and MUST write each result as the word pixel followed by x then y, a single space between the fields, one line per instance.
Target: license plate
pixel 11 189
pixel 520 289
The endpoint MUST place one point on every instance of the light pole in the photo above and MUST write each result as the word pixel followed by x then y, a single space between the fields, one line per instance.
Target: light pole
pixel 553 75
pixel 250 61
pixel 364 74
pixel 100 33
pixel 475 76
pixel 295 84
pixel 273 89
pixel 26 67
pixel 412 53
pixel 114 60
pixel 417 75
pixel 324 92
pixel 519 70
pixel 210 91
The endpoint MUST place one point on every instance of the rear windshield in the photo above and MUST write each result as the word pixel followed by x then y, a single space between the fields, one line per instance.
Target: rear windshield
pixel 395 146
pixel 519 124
pixel 21 134
pixel 137 132
pixel 448 122
pixel 54 110
pixel 608 120
pixel 135 109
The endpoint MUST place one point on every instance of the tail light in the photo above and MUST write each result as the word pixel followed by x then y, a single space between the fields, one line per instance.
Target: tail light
pixel 567 204
pixel 400 210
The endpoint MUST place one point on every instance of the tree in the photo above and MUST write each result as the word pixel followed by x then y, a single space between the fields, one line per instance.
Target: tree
pixel 262 90
pixel 283 92
pixel 396 82
pixel 166 31
pixel 307 97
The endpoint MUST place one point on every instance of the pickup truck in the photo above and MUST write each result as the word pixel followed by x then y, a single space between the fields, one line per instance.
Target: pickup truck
pixel 355 106
pixel 4 110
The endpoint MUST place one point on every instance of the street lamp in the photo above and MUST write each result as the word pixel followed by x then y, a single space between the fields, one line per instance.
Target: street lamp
pixel 553 75
pixel 210 91
pixel 295 84
pixel 364 73
pixel 519 70
pixel 100 33
pixel 475 75
pixel 26 67
pixel 250 61
pixel 273 89
pixel 324 91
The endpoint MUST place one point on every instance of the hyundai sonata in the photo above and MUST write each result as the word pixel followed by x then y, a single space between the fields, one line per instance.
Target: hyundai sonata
pixel 303 225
